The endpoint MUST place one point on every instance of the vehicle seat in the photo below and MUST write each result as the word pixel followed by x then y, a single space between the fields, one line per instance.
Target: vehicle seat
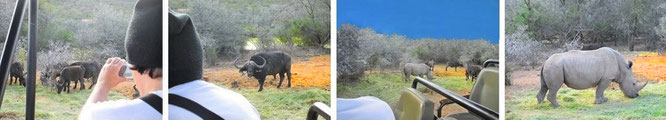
pixel 484 92
pixel 413 106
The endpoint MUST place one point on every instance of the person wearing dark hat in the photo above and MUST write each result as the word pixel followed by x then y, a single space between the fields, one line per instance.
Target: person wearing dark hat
pixel 143 44
pixel 189 96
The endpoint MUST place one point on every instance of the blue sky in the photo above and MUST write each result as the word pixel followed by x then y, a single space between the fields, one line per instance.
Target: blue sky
pixel 450 19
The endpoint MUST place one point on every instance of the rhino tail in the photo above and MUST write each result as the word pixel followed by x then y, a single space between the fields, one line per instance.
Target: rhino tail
pixel 542 91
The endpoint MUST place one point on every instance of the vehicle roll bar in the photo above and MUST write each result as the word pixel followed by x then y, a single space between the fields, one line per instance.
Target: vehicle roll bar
pixel 470 105
pixel 319 108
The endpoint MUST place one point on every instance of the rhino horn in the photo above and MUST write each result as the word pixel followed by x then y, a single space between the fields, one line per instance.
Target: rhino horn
pixel 640 87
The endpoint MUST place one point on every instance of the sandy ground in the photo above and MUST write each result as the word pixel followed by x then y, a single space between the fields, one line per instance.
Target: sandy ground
pixel 314 72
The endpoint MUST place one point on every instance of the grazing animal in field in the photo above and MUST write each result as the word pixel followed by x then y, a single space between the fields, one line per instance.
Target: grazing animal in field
pixel 267 63
pixel 16 74
pixel 69 74
pixel 591 46
pixel 586 69
pixel 92 70
pixel 418 69
pixel 51 73
pixel 136 92
pixel 453 63
pixel 472 71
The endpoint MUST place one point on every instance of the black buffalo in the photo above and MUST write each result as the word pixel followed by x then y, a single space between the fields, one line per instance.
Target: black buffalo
pixel 16 74
pixel 48 78
pixel 591 46
pixel 267 63
pixel 68 74
pixel 472 71
pixel 453 63
pixel 92 70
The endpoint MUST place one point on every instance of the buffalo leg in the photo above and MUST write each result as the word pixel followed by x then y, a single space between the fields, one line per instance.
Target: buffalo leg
pixel 67 86
pixel 75 83
pixel 281 78
pixel 94 81
pixel 599 95
pixel 289 78
pixel 261 84
pixel 82 86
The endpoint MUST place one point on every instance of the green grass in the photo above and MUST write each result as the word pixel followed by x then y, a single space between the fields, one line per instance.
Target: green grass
pixel 48 105
pixel 283 103
pixel 387 87
pixel 580 104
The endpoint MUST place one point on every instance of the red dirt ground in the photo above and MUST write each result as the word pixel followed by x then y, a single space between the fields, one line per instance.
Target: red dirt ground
pixel 313 72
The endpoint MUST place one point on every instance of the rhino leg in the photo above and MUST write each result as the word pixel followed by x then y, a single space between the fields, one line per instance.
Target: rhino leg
pixel 281 78
pixel 542 93
pixel 552 97
pixel 599 95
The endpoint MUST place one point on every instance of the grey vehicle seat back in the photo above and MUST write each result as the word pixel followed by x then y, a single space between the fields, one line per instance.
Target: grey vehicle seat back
pixel 414 106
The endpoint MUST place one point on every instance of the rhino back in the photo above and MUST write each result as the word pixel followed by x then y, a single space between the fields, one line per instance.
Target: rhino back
pixel 416 69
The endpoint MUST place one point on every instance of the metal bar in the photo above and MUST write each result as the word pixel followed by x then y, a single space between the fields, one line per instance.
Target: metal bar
pixel 10 42
pixel 471 106
pixel 318 108
pixel 32 63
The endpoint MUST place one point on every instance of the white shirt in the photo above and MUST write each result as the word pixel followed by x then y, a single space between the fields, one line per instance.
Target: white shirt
pixel 123 109
pixel 225 103
pixel 364 108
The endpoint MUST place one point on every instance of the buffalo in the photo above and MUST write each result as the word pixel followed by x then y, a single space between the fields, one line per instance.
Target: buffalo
pixel 419 69
pixel 68 74
pixel 92 70
pixel 472 71
pixel 591 46
pixel 16 74
pixel 267 63
pixel 453 63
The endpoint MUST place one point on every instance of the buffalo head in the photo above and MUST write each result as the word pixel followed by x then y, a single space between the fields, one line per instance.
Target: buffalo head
pixel 251 67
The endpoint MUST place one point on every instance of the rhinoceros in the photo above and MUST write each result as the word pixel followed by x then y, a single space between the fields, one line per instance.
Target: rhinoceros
pixel 586 69
pixel 419 69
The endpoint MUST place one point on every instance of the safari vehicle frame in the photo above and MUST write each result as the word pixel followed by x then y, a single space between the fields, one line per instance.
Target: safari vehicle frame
pixel 10 46
pixel 472 106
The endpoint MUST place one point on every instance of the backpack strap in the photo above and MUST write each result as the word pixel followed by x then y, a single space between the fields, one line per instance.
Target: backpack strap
pixel 193 107
pixel 154 101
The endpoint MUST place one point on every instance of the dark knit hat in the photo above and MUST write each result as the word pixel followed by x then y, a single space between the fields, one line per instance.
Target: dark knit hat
pixel 185 50
pixel 143 42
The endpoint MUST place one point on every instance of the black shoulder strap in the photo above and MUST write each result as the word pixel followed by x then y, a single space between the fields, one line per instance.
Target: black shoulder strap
pixel 193 107
pixel 154 101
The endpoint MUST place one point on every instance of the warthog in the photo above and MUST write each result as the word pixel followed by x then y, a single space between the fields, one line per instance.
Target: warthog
pixel 471 71
pixel 586 69
pixel 92 70
pixel 267 63
pixel 16 74
pixel 418 69
pixel 68 74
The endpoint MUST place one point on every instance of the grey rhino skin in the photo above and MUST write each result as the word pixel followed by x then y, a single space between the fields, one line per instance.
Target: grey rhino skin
pixel 267 63
pixel 418 69
pixel 586 69
pixel 68 74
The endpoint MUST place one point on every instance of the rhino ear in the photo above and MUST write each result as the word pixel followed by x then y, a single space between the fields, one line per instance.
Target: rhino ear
pixel 630 64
